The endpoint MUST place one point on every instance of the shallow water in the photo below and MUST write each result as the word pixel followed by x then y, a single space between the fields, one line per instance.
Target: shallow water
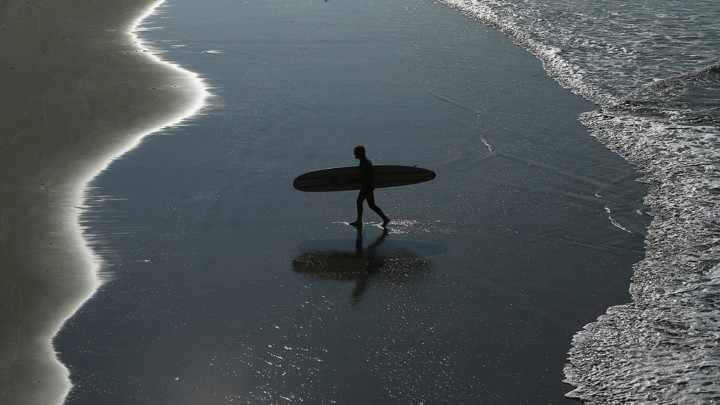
pixel 653 68
pixel 226 285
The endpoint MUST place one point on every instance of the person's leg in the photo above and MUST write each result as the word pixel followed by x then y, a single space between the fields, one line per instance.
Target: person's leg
pixel 359 202
pixel 371 203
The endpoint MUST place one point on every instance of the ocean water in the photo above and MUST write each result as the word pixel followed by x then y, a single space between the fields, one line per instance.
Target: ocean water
pixel 654 69
pixel 225 285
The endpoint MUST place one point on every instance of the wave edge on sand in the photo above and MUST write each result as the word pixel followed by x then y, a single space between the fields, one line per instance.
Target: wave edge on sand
pixel 81 90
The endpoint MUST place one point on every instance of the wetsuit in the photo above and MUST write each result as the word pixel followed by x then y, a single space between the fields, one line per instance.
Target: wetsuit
pixel 366 189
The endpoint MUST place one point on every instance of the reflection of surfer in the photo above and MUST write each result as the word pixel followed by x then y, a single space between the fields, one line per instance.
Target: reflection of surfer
pixel 373 263
pixel 367 186
pixel 368 261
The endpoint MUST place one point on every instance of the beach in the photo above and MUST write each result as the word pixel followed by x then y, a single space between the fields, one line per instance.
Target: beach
pixel 224 284
pixel 215 281
pixel 76 91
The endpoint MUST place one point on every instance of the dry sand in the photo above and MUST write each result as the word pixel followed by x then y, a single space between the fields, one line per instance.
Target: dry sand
pixel 75 91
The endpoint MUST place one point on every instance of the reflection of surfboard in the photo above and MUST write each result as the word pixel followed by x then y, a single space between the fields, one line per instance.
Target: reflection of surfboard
pixel 345 259
pixel 348 178
pixel 386 261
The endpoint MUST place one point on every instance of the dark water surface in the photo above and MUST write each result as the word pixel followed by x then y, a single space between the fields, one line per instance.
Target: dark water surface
pixel 228 286
pixel 653 68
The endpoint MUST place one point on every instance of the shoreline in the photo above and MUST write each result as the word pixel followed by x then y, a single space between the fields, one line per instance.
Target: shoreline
pixel 669 283
pixel 195 194
pixel 79 91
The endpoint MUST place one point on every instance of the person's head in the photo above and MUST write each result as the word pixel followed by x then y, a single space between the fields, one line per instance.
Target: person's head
pixel 359 152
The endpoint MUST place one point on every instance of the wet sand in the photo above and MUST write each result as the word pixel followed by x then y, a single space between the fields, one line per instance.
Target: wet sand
pixel 229 285
pixel 76 91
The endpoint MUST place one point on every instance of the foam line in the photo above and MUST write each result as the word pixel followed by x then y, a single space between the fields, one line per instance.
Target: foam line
pixel 193 83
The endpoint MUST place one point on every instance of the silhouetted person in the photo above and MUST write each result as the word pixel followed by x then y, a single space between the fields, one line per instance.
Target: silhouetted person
pixel 367 186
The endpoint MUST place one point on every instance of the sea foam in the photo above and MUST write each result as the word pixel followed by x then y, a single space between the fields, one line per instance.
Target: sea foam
pixel 653 71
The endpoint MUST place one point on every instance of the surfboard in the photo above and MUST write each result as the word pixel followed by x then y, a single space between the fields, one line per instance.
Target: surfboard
pixel 348 178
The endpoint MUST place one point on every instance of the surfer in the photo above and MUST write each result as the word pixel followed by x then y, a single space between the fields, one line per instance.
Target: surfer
pixel 367 186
